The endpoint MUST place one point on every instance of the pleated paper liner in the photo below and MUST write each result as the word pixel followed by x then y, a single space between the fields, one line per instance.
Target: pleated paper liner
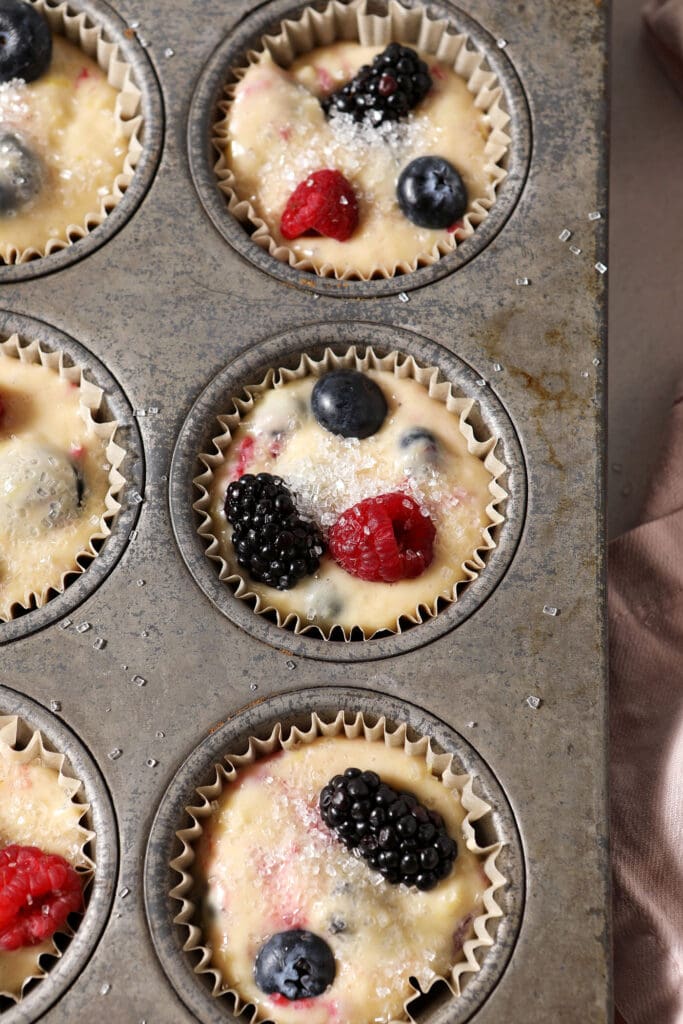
pixel 351 22
pixel 22 746
pixel 90 397
pixel 475 933
pixel 80 29
pixel 223 554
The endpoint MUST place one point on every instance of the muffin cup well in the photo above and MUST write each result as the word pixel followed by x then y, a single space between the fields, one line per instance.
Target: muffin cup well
pixel 352 22
pixel 23 746
pixel 90 397
pixel 79 29
pixel 402 367
pixel 440 765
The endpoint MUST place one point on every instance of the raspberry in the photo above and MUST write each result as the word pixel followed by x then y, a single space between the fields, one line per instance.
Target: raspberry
pixel 324 203
pixel 38 891
pixel 383 539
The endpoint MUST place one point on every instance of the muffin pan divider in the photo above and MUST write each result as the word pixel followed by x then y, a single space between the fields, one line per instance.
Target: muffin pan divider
pixel 165 305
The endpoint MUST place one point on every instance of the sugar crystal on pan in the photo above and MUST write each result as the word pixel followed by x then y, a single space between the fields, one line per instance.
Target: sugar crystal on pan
pixel 65 624
pixel 139 680
pixel 55 705
pixel 151 762
pixel 105 988
pixel 501 43
pixel 564 235
pixel 114 754
pixel 124 892
pixel 534 702
pixel 402 297
pixel 83 627
pixel 99 644
pixel 549 609
pixel 522 281
pixel 595 215
pixel 575 249
pixel 601 268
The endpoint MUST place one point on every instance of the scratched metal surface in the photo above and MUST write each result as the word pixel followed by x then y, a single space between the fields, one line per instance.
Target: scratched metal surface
pixel 165 304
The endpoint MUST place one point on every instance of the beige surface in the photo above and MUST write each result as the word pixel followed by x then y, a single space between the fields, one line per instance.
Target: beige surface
pixel 645 263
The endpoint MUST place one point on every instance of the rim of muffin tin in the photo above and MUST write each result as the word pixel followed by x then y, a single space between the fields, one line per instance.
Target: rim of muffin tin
pixel 151 108
pixel 231 53
pixel 284 349
pixel 115 405
pixel 101 819
pixel 295 708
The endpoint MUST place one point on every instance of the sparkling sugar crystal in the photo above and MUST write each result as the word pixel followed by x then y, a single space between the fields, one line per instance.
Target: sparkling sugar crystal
pixel 564 235
pixel 595 215
pixel 114 754
pixel 534 702
pixel 522 281
pixel 601 268
pixel 549 609
pixel 100 644
pixel 55 705
pixel 402 297
pixel 139 680
pixel 151 762
pixel 575 249
pixel 83 627
pixel 66 623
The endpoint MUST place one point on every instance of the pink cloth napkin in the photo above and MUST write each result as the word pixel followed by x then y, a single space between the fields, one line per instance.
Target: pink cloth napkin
pixel 664 24
pixel 645 598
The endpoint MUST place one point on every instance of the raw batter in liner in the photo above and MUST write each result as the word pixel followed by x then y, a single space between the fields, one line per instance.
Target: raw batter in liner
pixel 46 446
pixel 68 118
pixel 328 474
pixel 266 838
pixel 278 134
pixel 36 809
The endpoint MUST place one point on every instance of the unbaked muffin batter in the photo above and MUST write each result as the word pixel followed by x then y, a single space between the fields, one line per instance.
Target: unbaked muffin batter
pixel 35 810
pixel 54 478
pixel 266 839
pixel 67 118
pixel 328 474
pixel 278 134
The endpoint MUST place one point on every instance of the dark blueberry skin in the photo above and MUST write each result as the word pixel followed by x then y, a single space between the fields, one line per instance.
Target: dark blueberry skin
pixel 417 435
pixel 296 964
pixel 21 173
pixel 348 403
pixel 25 42
pixel 431 193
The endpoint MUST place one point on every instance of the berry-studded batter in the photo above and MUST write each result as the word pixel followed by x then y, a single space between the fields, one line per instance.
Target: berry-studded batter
pixel 54 480
pixel 41 848
pixel 361 160
pixel 359 878
pixel 351 499
pixel 62 145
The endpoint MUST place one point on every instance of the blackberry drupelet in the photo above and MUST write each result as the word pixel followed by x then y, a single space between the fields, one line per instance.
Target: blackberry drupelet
pixel 387 90
pixel 271 540
pixel 391 830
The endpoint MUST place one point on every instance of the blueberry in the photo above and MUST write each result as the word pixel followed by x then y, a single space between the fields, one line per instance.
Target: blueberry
pixel 348 403
pixel 25 41
pixel 417 435
pixel 296 964
pixel 21 173
pixel 431 193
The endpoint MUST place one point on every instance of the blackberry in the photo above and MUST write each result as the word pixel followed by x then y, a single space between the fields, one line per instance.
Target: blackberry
pixel 396 834
pixel 386 90
pixel 271 540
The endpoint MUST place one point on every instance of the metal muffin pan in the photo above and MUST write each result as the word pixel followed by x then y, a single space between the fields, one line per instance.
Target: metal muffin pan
pixel 103 851
pixel 166 305
pixel 232 53
pixel 295 709
pixel 490 420
pixel 99 13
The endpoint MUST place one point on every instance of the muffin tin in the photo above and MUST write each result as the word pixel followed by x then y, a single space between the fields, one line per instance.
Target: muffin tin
pixel 168 316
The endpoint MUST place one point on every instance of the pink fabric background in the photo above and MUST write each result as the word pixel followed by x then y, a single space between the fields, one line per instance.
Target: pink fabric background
pixel 646 726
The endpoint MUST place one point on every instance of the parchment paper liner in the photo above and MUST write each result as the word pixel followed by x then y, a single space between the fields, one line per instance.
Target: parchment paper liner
pixel 79 29
pixel 440 766
pixel 351 22
pixel 90 401
pixel 402 366
pixel 12 729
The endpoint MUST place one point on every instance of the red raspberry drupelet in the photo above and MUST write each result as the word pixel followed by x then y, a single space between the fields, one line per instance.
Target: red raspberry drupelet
pixel 38 891
pixel 324 202
pixel 383 539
